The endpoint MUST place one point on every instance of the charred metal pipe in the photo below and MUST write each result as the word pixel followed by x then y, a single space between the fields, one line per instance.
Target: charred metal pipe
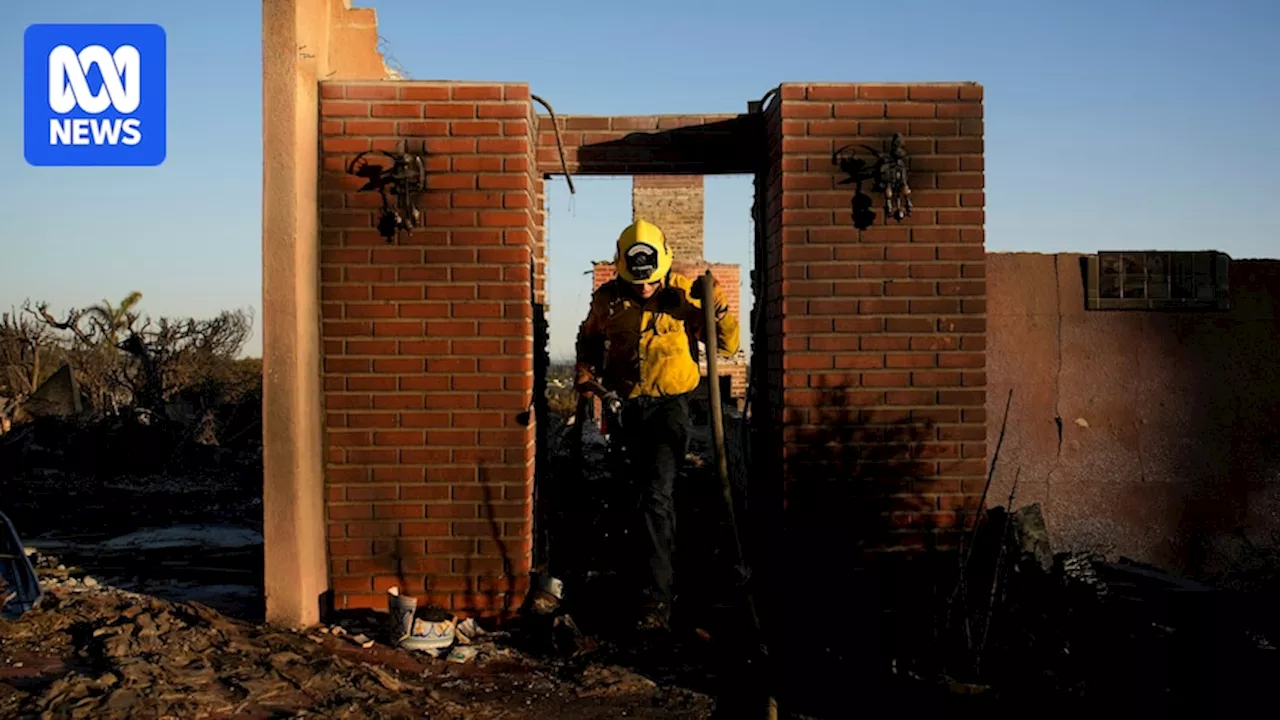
pixel 555 125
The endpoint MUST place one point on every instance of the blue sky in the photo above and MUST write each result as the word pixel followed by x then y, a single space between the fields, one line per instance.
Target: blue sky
pixel 1126 123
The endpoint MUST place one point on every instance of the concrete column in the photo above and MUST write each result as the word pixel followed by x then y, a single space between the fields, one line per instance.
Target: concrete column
pixel 302 41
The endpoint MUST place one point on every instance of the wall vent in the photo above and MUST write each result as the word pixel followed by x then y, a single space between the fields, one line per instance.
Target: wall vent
pixel 1157 280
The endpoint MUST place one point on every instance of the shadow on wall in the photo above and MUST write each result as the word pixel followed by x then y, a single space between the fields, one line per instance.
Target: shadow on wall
pixel 712 148
pixel 852 491
pixel 492 578
pixel 472 573
pixel 482 569
pixel 491 575
pixel 542 418
pixel 1168 450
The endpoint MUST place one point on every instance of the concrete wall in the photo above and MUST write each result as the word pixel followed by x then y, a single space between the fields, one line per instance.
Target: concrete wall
pixel 1169 448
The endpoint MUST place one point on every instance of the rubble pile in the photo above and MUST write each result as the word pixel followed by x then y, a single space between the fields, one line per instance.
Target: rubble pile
pixel 132 652
pixel 1076 629
pixel 1092 632
pixel 92 651
pixel 101 645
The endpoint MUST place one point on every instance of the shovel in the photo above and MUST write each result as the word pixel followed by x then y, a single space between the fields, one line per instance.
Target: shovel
pixel 722 460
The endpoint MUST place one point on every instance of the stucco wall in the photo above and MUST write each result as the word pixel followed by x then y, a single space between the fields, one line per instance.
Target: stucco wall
pixel 1169 451
pixel 302 42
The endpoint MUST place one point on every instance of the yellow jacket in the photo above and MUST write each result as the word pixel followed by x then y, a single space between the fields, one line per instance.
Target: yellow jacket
pixel 650 348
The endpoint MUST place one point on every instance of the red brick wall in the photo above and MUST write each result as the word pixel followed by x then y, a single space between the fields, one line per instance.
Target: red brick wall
pixel 874 340
pixel 766 537
pixel 538 190
pixel 877 337
pixel 601 273
pixel 428 353
pixel 872 349
pixel 730 278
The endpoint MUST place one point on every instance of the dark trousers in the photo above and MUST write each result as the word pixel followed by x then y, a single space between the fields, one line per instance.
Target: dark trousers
pixel 655 433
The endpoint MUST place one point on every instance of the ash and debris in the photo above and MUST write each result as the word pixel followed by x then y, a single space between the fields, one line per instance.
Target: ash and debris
pixel 90 650
pixel 152 613
pixel 1098 634
pixel 153 581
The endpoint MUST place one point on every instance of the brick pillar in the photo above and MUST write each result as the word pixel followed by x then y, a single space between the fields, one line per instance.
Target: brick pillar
pixel 883 330
pixel 428 348
pixel 675 204
pixel 875 361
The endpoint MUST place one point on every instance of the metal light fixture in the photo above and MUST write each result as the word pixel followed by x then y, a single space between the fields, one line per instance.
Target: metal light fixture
pixel 888 174
pixel 399 184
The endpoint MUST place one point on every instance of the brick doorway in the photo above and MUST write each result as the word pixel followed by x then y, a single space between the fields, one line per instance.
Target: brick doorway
pixel 868 347
pixel 575 523
pixel 666 160
pixel 870 353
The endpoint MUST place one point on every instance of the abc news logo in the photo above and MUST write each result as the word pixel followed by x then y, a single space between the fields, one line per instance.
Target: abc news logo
pixel 69 89
pixel 94 95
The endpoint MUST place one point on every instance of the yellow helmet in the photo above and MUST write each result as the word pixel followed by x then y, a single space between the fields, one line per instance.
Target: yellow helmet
pixel 643 255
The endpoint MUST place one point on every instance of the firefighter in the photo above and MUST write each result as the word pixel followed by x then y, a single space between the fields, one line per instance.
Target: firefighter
pixel 639 341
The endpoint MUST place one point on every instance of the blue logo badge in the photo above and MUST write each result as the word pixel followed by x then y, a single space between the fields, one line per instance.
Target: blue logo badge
pixel 94 95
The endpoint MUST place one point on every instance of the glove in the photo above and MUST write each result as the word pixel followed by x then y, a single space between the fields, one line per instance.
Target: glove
pixel 583 379
pixel 696 293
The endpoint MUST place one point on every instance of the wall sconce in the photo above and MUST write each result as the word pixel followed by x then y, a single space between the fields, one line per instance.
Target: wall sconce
pixel 888 175
pixel 399 184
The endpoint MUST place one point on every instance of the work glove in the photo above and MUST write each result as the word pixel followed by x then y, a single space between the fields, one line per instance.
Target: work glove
pixel 696 293
pixel 588 386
